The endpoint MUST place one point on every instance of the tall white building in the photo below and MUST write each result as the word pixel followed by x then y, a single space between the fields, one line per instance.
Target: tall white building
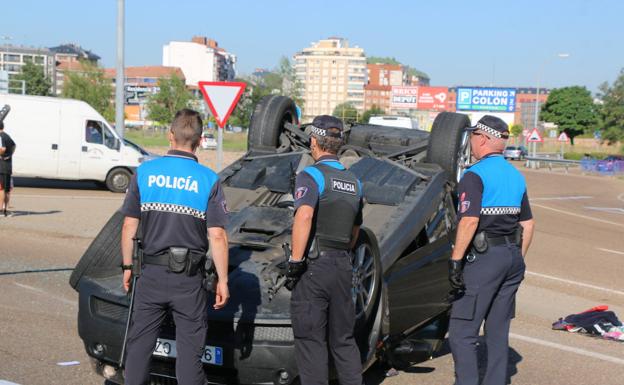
pixel 200 60
pixel 331 73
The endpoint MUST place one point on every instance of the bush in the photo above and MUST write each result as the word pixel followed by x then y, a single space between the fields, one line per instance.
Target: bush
pixel 580 155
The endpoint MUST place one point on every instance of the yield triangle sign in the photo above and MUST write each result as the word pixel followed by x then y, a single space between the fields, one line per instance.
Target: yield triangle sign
pixel 221 98
pixel 535 136
pixel 563 137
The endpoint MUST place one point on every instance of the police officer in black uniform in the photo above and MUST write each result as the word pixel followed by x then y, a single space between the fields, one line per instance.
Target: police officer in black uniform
pixel 180 205
pixel 328 204
pixel 7 148
pixel 487 265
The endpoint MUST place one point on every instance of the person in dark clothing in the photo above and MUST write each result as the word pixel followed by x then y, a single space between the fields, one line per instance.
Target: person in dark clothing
pixel 7 148
pixel 179 205
pixel 328 204
pixel 487 264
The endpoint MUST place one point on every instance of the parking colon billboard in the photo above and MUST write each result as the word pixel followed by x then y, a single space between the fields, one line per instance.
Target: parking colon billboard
pixel 404 97
pixel 486 99
pixel 432 98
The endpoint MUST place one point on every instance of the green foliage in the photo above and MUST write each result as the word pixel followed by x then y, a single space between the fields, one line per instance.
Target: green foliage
pixel 92 87
pixel 515 129
pixel 172 97
pixel 374 110
pixel 346 112
pixel 382 60
pixel 414 72
pixel 579 155
pixel 612 110
pixel 36 81
pixel 572 109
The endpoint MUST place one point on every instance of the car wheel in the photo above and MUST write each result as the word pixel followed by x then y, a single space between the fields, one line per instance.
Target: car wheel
pixel 267 123
pixel 366 277
pixel 118 180
pixel 449 143
pixel 103 253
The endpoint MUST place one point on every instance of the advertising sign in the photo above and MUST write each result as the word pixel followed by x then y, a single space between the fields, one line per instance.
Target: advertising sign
pixel 432 98
pixel 404 97
pixel 137 94
pixel 486 99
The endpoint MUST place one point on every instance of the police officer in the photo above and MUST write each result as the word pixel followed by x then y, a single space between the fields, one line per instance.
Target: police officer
pixel 180 204
pixel 328 204
pixel 487 265
pixel 7 148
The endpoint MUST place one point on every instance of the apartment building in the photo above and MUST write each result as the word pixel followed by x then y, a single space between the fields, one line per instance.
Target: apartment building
pixel 381 78
pixel 12 58
pixel 200 59
pixel 70 58
pixel 330 73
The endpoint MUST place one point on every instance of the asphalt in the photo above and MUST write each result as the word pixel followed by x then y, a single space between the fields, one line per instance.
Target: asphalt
pixel 576 262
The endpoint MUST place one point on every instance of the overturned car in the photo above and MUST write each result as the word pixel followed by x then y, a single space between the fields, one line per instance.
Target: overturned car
pixel 400 285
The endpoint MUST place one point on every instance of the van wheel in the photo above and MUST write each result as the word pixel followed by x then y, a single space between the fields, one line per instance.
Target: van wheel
pixel 118 180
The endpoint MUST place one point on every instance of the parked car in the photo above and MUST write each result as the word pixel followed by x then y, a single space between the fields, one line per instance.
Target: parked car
pixel 394 121
pixel 208 141
pixel 400 285
pixel 515 152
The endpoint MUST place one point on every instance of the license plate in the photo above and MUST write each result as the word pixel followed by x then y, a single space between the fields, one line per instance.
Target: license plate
pixel 167 348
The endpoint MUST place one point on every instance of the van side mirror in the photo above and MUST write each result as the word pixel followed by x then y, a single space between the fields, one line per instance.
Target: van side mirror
pixel 117 144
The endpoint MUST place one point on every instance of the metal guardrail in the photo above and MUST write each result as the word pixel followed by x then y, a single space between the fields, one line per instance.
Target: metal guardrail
pixel 603 167
pixel 535 162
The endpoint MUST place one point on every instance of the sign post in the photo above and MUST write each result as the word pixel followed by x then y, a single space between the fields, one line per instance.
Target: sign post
pixel 221 98
pixel 563 138
pixel 534 138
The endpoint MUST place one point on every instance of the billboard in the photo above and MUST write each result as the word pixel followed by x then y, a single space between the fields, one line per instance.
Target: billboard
pixel 432 98
pixel 135 95
pixel 404 97
pixel 486 99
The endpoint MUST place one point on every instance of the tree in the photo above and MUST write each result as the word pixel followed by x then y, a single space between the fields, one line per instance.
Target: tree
pixel 346 112
pixel 90 86
pixel 515 129
pixel 291 86
pixel 612 110
pixel 34 77
pixel 171 97
pixel 572 109
pixel 382 60
pixel 374 110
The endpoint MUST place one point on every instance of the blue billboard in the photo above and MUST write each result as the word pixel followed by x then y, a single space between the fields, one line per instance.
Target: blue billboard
pixel 486 99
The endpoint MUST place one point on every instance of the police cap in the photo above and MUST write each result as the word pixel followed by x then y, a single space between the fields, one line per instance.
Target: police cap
pixel 321 126
pixel 491 125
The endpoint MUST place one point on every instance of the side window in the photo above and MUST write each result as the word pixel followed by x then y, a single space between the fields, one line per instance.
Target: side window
pixel 93 132
pixel 109 138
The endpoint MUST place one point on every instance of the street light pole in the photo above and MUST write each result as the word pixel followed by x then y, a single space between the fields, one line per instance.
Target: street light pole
pixel 120 79
pixel 537 95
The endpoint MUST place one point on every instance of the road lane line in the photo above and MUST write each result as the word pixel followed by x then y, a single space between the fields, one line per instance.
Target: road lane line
pixel 610 251
pixel 561 198
pixel 578 215
pixel 612 210
pixel 45 293
pixel 71 197
pixel 587 285
pixel 4 382
pixel 567 348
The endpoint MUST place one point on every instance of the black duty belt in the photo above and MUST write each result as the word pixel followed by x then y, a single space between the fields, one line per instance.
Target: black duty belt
pixel 161 259
pixel 502 240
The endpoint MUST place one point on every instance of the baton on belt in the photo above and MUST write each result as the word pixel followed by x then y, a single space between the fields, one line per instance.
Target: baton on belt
pixel 137 261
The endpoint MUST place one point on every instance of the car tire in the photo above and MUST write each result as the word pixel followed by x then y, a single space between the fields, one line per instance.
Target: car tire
pixel 366 277
pixel 118 180
pixel 267 123
pixel 449 143
pixel 103 253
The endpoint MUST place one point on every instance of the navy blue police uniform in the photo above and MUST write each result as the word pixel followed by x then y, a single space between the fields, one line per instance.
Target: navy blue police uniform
pixel 321 305
pixel 495 192
pixel 177 200
pixel 6 161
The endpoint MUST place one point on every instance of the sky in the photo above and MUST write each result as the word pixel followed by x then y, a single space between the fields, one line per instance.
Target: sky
pixel 502 43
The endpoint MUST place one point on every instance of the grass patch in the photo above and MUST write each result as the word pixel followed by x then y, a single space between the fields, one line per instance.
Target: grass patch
pixel 158 138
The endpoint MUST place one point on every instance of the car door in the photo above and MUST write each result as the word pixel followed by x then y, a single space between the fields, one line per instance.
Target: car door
pixel 98 149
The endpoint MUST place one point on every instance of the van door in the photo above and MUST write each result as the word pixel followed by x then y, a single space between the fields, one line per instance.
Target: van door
pixel 99 152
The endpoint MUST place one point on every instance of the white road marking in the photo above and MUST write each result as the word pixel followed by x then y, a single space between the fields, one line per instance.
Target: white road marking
pixel 561 198
pixel 610 251
pixel 567 348
pixel 45 293
pixel 4 382
pixel 570 282
pixel 621 197
pixel 71 197
pixel 612 210
pixel 578 215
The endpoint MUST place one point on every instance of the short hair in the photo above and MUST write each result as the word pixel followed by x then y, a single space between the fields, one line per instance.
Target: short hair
pixel 329 143
pixel 187 127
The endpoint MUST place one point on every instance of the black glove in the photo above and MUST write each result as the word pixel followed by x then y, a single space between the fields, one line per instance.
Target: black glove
pixel 294 272
pixel 456 274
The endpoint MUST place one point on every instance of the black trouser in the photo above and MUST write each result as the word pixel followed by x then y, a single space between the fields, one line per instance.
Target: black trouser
pixel 157 291
pixel 5 183
pixel 322 308
pixel 492 281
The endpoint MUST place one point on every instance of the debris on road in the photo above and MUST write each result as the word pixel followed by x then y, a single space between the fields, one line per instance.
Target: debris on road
pixel 597 321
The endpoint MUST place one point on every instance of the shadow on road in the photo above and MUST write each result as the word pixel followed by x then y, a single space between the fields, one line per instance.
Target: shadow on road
pixel 60 184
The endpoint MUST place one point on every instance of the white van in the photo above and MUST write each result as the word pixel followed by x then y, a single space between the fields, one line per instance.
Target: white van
pixel 394 121
pixel 67 139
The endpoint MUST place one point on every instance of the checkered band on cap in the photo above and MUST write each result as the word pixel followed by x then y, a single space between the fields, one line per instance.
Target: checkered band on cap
pixel 500 210
pixel 489 130
pixel 324 133
pixel 171 208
